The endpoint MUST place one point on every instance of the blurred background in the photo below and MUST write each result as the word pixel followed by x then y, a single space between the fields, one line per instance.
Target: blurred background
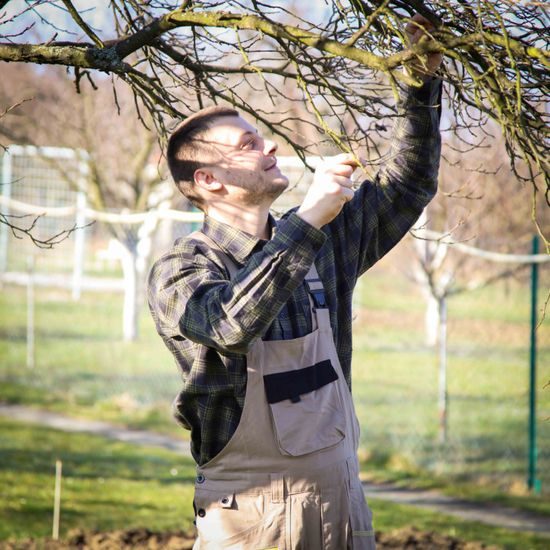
pixel 442 344
pixel 451 364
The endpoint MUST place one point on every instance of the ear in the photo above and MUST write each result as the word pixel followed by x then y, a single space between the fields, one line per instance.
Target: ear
pixel 206 180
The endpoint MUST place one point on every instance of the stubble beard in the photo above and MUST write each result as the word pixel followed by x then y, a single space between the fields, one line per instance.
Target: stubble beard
pixel 261 191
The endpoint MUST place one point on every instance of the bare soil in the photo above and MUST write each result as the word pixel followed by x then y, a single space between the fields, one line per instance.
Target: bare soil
pixel 142 539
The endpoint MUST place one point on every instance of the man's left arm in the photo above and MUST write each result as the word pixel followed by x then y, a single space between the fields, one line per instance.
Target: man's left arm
pixel 382 211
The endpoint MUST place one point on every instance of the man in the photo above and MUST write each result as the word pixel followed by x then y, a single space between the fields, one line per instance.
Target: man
pixel 257 314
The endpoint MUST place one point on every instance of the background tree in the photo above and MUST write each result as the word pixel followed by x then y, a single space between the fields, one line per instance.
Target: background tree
pixel 122 157
pixel 342 60
pixel 480 205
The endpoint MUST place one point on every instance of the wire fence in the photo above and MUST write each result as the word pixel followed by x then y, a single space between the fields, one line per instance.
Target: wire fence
pixel 397 383
pixel 80 364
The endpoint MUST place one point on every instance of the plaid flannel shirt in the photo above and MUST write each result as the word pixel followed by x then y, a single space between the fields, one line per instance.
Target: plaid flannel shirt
pixel 209 322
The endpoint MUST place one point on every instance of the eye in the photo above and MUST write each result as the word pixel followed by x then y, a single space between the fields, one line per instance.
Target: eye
pixel 248 144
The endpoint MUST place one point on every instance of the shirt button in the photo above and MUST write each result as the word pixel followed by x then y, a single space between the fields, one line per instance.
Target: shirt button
pixel 200 478
pixel 225 500
pixel 201 513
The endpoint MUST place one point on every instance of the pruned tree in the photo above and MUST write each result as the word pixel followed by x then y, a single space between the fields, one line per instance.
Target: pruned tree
pixel 479 204
pixel 342 59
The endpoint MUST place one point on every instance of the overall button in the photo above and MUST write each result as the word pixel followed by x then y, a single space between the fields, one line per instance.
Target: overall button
pixel 201 513
pixel 226 501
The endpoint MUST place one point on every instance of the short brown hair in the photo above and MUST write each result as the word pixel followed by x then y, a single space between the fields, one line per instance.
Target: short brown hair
pixel 187 152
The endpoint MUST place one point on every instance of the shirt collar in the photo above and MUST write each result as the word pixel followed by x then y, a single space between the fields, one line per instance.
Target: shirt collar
pixel 235 242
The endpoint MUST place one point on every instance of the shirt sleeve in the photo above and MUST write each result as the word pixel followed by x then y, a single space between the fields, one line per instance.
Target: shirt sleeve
pixel 382 211
pixel 190 295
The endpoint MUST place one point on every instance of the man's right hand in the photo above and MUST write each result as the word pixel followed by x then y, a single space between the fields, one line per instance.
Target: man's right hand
pixel 330 190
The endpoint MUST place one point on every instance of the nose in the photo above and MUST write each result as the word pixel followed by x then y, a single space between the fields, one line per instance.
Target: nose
pixel 270 147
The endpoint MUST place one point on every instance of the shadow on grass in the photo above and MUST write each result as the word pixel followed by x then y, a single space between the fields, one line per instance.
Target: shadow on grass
pixel 85 337
pixel 18 524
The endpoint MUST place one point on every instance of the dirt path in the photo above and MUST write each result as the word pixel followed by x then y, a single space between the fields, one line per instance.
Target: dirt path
pixel 68 424
pixel 487 513
pixel 484 512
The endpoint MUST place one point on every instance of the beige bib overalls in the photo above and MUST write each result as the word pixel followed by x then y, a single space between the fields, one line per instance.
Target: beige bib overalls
pixel 288 477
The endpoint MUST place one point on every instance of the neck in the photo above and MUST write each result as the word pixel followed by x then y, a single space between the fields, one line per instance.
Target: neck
pixel 250 219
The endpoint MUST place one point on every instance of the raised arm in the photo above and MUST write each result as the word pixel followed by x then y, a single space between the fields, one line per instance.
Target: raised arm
pixel 190 294
pixel 382 211
pixel 366 224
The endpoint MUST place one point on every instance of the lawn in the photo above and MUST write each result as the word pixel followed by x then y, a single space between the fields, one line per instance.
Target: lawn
pixel 106 484
pixel 84 369
pixel 395 386
pixel 82 366
pixel 109 485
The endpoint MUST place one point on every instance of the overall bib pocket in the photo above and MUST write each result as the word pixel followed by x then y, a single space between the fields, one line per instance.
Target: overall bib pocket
pixel 306 408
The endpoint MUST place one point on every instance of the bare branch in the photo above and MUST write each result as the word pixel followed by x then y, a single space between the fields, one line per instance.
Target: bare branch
pixel 81 23
pixel 340 66
pixel 19 230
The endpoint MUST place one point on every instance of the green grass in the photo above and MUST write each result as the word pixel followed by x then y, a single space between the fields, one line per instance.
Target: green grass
pixel 395 386
pixel 84 369
pixel 109 485
pixel 106 484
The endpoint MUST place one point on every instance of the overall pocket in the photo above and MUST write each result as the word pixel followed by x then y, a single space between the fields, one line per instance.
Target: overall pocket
pixel 306 408
pixel 236 520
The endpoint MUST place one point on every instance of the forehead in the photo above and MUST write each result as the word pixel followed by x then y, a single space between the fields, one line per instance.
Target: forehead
pixel 228 130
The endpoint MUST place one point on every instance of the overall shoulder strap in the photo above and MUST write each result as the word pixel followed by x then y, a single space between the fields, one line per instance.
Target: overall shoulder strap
pixel 315 288
pixel 226 260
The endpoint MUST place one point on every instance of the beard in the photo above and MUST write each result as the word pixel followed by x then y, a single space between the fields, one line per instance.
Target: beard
pixel 262 189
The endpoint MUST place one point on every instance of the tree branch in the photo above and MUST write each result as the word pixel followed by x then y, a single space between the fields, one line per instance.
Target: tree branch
pixel 81 23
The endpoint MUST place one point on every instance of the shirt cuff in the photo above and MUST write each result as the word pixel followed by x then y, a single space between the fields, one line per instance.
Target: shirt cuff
pixel 429 94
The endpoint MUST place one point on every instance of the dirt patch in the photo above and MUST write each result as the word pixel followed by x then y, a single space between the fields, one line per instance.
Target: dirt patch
pixel 410 538
pixel 89 540
pixel 142 539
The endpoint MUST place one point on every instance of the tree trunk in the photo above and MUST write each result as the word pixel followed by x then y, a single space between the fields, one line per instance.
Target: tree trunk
pixel 432 319
pixel 442 394
pixel 130 314
pixel 136 250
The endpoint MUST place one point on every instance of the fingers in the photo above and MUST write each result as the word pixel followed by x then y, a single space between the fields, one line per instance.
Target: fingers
pixel 341 170
pixel 342 181
pixel 347 194
pixel 342 158
pixel 416 29
pixel 342 165
pixel 330 190
pixel 334 176
pixel 343 191
pixel 419 21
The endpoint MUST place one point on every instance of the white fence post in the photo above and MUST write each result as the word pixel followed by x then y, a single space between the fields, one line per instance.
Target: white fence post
pixel 30 314
pixel 57 500
pixel 442 394
pixel 79 238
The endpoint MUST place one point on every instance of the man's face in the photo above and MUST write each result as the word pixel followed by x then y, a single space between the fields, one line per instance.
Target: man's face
pixel 246 161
